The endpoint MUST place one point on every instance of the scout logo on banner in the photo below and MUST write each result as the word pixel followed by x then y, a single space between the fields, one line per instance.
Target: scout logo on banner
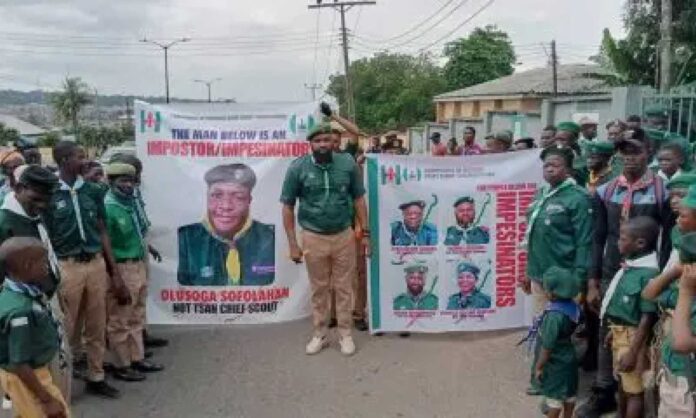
pixel 447 234
pixel 212 181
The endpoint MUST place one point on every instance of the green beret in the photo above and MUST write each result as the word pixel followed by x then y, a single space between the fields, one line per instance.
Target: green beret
pixel 564 152
pixel 600 147
pixel 119 169
pixel 569 127
pixel 656 111
pixel 464 199
pixel 560 282
pixel 682 181
pixel 504 136
pixel 406 205
pixel 37 177
pixel 689 200
pixel 466 267
pixel 322 128
pixel 231 173
pixel 416 268
pixel 687 250
pixel 656 135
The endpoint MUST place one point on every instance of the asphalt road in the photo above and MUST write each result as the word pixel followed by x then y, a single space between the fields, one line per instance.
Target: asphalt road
pixel 263 372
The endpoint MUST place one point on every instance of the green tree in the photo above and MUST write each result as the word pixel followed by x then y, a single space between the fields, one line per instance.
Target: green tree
pixel 49 139
pixel 392 91
pixel 8 135
pixel 69 102
pixel 486 54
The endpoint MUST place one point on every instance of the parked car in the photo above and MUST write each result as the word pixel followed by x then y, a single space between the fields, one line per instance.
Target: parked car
pixel 111 151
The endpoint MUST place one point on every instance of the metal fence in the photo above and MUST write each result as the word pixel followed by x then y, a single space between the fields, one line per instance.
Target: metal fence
pixel 680 104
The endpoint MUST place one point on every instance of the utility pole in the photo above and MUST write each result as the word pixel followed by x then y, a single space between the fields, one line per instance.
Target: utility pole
pixel 165 47
pixel 343 7
pixel 313 88
pixel 554 67
pixel 208 83
pixel 128 112
pixel 96 105
pixel 666 45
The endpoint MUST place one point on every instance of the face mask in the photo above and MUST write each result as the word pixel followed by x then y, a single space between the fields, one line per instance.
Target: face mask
pixel 125 190
pixel 322 156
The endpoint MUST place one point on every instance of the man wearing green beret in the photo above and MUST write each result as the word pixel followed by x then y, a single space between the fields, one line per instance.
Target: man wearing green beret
pixel 228 247
pixel 330 191
pixel 416 298
pixel 598 170
pixel 413 230
pixel 126 321
pixel 657 117
pixel 567 136
pixel 498 142
pixel 469 296
pixel 465 232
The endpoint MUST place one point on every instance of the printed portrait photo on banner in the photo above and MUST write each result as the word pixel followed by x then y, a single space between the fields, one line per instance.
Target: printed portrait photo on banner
pixel 469 218
pixel 473 288
pixel 418 291
pixel 227 247
pixel 413 227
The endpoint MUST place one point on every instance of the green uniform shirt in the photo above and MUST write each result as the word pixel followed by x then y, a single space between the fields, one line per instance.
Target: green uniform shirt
pixel 326 192
pixel 402 236
pixel 559 379
pixel 122 225
pixel 476 235
pixel 476 300
pixel 28 334
pixel 627 305
pixel 406 302
pixel 562 234
pixel 73 217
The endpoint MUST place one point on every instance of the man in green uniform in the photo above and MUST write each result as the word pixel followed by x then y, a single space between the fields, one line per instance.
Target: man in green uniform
pixel 567 136
pixel 559 225
pixel 415 298
pixel 598 170
pixel 468 297
pixel 413 230
pixel 228 248
pixel 330 191
pixel 465 232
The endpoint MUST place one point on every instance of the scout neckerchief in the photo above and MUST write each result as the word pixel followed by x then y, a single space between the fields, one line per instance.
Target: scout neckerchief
pixel 325 170
pixel 649 260
pixel 666 178
pixel 596 177
pixel 643 183
pixel 143 220
pixel 569 308
pixel 37 295
pixel 128 203
pixel 413 236
pixel 546 193
pixel 232 261
pixel 79 182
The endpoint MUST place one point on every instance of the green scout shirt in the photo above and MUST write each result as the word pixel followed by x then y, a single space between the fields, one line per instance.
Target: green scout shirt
pixel 326 192
pixel 675 362
pixel 28 334
pixel 559 379
pixel 562 234
pixel 406 302
pixel 476 300
pixel 477 235
pixel 73 217
pixel 627 305
pixel 123 227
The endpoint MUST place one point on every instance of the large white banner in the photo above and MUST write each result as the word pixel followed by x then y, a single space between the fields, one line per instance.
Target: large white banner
pixel 212 180
pixel 448 234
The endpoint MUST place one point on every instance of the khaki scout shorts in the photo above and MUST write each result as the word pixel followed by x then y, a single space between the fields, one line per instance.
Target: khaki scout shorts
pixel 631 382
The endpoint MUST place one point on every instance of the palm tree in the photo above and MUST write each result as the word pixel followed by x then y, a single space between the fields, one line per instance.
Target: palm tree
pixel 71 100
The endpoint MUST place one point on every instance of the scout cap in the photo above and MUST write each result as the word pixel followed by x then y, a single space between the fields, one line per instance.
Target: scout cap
pixel 503 136
pixel 322 128
pixel 406 205
pixel 464 199
pixel 119 169
pixel 37 178
pixel 586 120
pixel 560 282
pixel 690 200
pixel 435 135
pixel 467 267
pixel 656 111
pixel 231 173
pixel 687 250
pixel 682 181
pixel 600 147
pixel 569 127
pixel 415 268
pixel 565 152
pixel 630 145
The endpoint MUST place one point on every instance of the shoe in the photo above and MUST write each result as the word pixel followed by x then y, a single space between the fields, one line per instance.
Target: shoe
pixel 315 345
pixel 108 367
pixel 6 403
pixel 127 374
pixel 155 342
pixel 102 389
pixel 378 334
pixel 602 401
pixel 361 325
pixel 333 323
pixel 149 353
pixel 404 334
pixel 347 345
pixel 145 366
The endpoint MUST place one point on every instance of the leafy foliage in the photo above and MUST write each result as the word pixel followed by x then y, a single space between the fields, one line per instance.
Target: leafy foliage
pixel 8 135
pixel 71 100
pixel 49 139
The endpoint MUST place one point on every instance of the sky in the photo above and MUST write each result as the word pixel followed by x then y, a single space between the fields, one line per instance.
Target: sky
pixel 264 50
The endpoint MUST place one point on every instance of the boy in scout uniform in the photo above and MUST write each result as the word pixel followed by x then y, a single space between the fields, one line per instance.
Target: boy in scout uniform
pixel 629 316
pixel 413 230
pixel 330 191
pixel 468 297
pixel 555 369
pixel 598 170
pixel 415 298
pixel 559 226
pixel 465 232
pixel 125 322
pixel 29 335
pixel 75 223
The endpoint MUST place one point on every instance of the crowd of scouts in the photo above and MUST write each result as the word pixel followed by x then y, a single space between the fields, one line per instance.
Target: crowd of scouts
pixel 74 266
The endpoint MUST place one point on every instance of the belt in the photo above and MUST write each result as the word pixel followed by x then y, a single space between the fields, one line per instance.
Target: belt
pixel 82 257
pixel 129 260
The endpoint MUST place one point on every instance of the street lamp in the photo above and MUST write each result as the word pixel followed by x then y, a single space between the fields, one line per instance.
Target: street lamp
pixel 208 83
pixel 165 47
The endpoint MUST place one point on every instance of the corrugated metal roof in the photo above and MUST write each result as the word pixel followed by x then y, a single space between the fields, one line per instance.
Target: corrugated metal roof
pixel 24 128
pixel 572 79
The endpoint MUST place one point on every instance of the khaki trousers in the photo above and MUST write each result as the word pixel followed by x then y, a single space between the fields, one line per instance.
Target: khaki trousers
pixel 539 298
pixel 24 403
pixel 360 283
pixel 330 263
pixel 83 291
pixel 124 327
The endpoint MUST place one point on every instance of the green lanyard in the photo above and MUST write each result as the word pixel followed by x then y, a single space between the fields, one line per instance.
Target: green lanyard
pixel 546 195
